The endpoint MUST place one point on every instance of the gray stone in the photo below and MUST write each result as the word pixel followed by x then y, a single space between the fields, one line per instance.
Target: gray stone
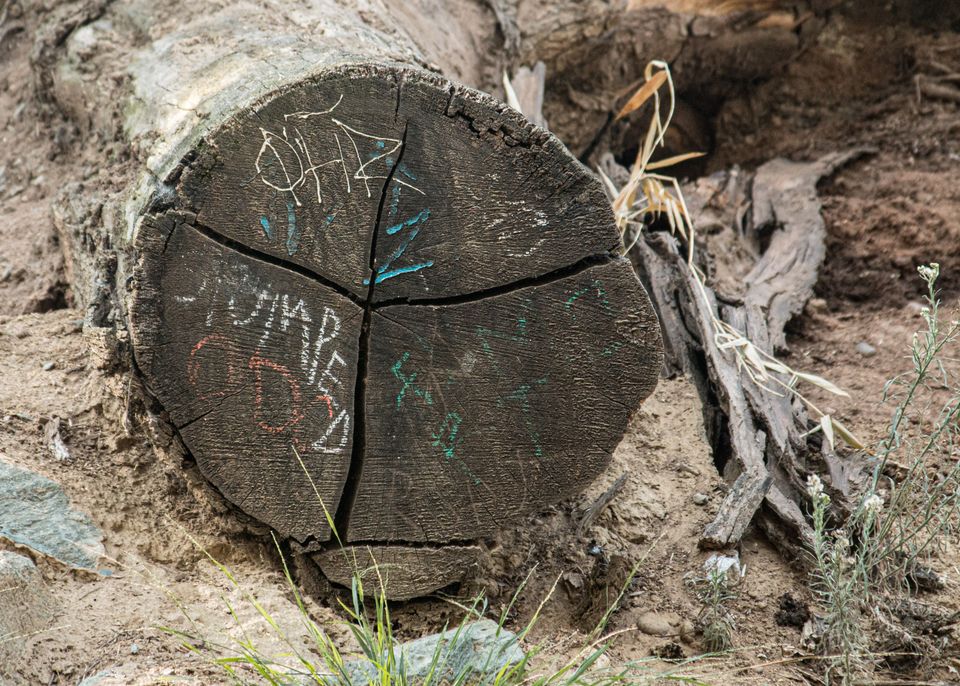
pixel 35 512
pixel 719 563
pixel 99 679
pixel 656 624
pixel 866 349
pixel 477 648
pixel 25 604
pixel 700 499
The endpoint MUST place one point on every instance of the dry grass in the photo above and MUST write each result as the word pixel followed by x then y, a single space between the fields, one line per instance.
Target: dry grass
pixel 648 196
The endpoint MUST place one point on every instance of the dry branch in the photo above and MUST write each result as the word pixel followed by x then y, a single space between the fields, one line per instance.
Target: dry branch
pixel 769 449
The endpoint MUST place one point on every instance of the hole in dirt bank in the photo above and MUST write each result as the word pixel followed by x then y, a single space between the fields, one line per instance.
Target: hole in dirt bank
pixel 691 130
pixel 54 299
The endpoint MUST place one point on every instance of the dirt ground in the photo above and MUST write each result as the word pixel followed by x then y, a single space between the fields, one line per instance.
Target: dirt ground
pixel 896 208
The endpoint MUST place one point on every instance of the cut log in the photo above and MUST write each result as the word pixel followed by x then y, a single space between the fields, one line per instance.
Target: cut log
pixel 357 292
pixel 402 572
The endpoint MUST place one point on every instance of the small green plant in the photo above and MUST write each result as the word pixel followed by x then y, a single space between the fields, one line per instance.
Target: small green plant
pixel 863 569
pixel 715 590
pixel 379 659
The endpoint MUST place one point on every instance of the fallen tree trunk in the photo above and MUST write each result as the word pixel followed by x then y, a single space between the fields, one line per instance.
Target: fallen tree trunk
pixel 360 294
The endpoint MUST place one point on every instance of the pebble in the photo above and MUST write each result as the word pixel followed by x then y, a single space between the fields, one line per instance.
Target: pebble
pixel 700 499
pixel 656 624
pixel 866 349
pixel 47 366
pixel 817 306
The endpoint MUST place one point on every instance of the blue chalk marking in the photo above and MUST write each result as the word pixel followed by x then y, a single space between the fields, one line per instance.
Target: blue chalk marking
pixel 452 423
pixel 400 270
pixel 422 216
pixel 522 395
pixel 394 202
pixel 384 272
pixel 567 305
pixel 405 170
pixel 293 234
pixel 381 145
pixel 451 428
pixel 267 230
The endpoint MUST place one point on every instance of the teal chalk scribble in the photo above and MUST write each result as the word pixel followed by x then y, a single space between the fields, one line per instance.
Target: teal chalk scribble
pixel 414 224
pixel 596 285
pixel 408 382
pixel 521 394
pixel 573 298
pixel 449 428
pixel 267 229
pixel 447 438
pixel 422 216
pixel 394 202
pixel 402 270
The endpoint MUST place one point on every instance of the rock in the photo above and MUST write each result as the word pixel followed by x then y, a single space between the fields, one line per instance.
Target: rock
pixel 25 604
pixel 659 624
pixel 47 366
pixel 101 678
pixel 35 512
pixel 688 632
pixel 700 499
pixel 817 306
pixel 866 349
pixel 478 648
pixel 724 564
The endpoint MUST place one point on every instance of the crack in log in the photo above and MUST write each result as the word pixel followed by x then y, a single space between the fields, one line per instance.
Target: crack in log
pixel 348 495
pixel 255 254
pixel 520 284
pixel 418 545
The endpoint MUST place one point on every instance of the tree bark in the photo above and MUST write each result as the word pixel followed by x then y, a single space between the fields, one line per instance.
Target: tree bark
pixel 360 294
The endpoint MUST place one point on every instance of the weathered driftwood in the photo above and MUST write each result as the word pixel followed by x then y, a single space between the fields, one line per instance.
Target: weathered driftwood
pixel 769 455
pixel 351 286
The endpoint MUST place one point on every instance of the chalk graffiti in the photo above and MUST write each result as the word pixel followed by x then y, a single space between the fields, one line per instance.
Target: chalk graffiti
pixel 597 288
pixel 336 153
pixel 446 436
pixel 408 382
pixel 283 395
pixel 412 227
pixel 521 395
pixel 293 232
pixel 285 160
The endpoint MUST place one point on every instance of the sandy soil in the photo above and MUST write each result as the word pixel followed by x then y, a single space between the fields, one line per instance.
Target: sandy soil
pixel 895 209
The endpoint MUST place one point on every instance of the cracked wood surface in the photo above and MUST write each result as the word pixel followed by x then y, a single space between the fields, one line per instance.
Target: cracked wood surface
pixel 304 208
pixel 403 284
